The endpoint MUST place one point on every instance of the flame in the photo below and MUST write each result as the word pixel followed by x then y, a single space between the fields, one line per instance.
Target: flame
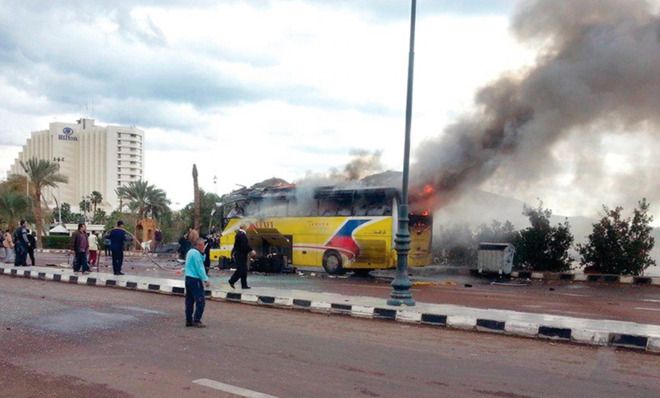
pixel 428 189
pixel 425 213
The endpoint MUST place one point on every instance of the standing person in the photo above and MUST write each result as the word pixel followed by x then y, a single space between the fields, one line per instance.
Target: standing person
pixel 117 236
pixel 80 249
pixel 208 245
pixel 33 243
pixel 21 245
pixel 158 240
pixel 8 244
pixel 240 254
pixel 94 250
pixel 196 280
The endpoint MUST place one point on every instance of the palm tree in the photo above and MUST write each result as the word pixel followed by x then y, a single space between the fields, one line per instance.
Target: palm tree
pixel 13 206
pixel 96 198
pixel 41 174
pixel 144 199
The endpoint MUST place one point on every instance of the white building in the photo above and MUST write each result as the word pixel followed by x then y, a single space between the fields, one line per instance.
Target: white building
pixel 94 158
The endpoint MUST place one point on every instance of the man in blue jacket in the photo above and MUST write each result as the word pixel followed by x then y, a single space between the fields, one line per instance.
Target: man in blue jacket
pixel 196 281
pixel 117 237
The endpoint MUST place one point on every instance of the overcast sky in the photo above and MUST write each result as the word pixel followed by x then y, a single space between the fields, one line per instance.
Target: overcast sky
pixel 250 89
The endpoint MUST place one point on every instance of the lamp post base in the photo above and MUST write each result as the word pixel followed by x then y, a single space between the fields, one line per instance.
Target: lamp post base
pixel 398 302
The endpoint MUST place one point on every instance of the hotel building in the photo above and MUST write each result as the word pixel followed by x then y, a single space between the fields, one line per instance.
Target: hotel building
pixel 94 158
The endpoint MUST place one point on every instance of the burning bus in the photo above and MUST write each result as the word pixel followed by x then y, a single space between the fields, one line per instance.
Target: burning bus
pixel 339 229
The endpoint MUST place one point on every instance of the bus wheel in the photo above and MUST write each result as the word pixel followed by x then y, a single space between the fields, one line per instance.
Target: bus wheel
pixel 332 263
pixel 362 272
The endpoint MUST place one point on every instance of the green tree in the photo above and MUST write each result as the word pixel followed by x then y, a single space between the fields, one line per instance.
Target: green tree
pixel 99 216
pixel 96 199
pixel 620 245
pixel 144 199
pixel 208 216
pixel 541 246
pixel 41 174
pixel 13 206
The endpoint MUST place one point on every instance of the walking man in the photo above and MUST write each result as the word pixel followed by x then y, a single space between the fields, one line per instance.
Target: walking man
pixel 117 237
pixel 94 250
pixel 33 244
pixel 22 244
pixel 196 280
pixel 240 254
pixel 80 249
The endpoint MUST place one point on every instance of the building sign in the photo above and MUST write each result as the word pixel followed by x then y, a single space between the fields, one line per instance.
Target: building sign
pixel 67 135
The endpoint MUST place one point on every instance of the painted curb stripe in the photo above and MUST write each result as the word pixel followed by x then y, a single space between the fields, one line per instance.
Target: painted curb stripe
pixel 91 281
pixel 490 324
pixel 566 277
pixel 302 303
pixel 111 282
pixel 42 275
pixel 642 280
pixel 384 313
pixel 611 278
pixel 341 307
pixel 433 319
pixel 554 333
pixel 73 279
pixel 57 277
pixel 628 340
pixel 234 296
pixel 178 290
pixel 525 274
pixel 152 286
pixel 27 274
pixel 266 299
pixel 131 285
pixel 14 272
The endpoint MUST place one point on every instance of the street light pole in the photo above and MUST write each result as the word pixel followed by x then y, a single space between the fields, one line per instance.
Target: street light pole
pixel 401 284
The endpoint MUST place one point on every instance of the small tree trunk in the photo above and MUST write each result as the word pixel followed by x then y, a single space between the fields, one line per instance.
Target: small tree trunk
pixel 38 216
pixel 198 202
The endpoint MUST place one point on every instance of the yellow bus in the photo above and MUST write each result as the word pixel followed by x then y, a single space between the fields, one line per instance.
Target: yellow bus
pixel 334 228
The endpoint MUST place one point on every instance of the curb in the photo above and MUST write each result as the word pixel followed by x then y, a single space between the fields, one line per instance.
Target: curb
pixel 573 277
pixel 648 343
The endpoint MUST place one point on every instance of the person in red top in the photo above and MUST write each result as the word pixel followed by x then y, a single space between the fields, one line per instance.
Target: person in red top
pixel 80 249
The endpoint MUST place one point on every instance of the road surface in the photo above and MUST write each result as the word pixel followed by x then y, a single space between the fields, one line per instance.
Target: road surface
pixel 62 340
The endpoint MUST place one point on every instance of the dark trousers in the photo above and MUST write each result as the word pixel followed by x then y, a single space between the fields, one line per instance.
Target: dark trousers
pixel 21 256
pixel 117 261
pixel 241 271
pixel 31 254
pixel 194 299
pixel 81 262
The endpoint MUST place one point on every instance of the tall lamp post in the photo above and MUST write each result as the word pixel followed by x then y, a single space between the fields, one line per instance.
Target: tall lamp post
pixel 58 160
pixel 401 284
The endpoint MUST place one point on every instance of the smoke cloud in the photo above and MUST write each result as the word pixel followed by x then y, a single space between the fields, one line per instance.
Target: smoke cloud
pixel 363 163
pixel 598 71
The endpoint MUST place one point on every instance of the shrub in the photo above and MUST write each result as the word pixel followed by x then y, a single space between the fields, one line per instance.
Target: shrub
pixel 620 246
pixel 57 242
pixel 542 247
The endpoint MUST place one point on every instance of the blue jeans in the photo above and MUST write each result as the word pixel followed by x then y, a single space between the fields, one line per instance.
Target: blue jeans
pixel 194 299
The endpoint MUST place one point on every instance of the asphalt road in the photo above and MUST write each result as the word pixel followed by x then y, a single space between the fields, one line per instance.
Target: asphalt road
pixel 583 300
pixel 60 340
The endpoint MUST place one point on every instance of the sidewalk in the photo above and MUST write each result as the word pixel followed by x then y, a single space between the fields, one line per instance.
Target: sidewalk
pixel 533 325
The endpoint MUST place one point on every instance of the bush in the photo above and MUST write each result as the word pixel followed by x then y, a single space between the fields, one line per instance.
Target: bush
pixel 620 246
pixel 57 242
pixel 543 247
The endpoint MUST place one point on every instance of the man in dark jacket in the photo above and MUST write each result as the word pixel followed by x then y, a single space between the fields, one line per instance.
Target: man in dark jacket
pixel 21 245
pixel 117 237
pixel 80 248
pixel 32 244
pixel 240 254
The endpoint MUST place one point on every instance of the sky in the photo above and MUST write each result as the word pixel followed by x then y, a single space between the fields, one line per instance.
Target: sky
pixel 253 89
